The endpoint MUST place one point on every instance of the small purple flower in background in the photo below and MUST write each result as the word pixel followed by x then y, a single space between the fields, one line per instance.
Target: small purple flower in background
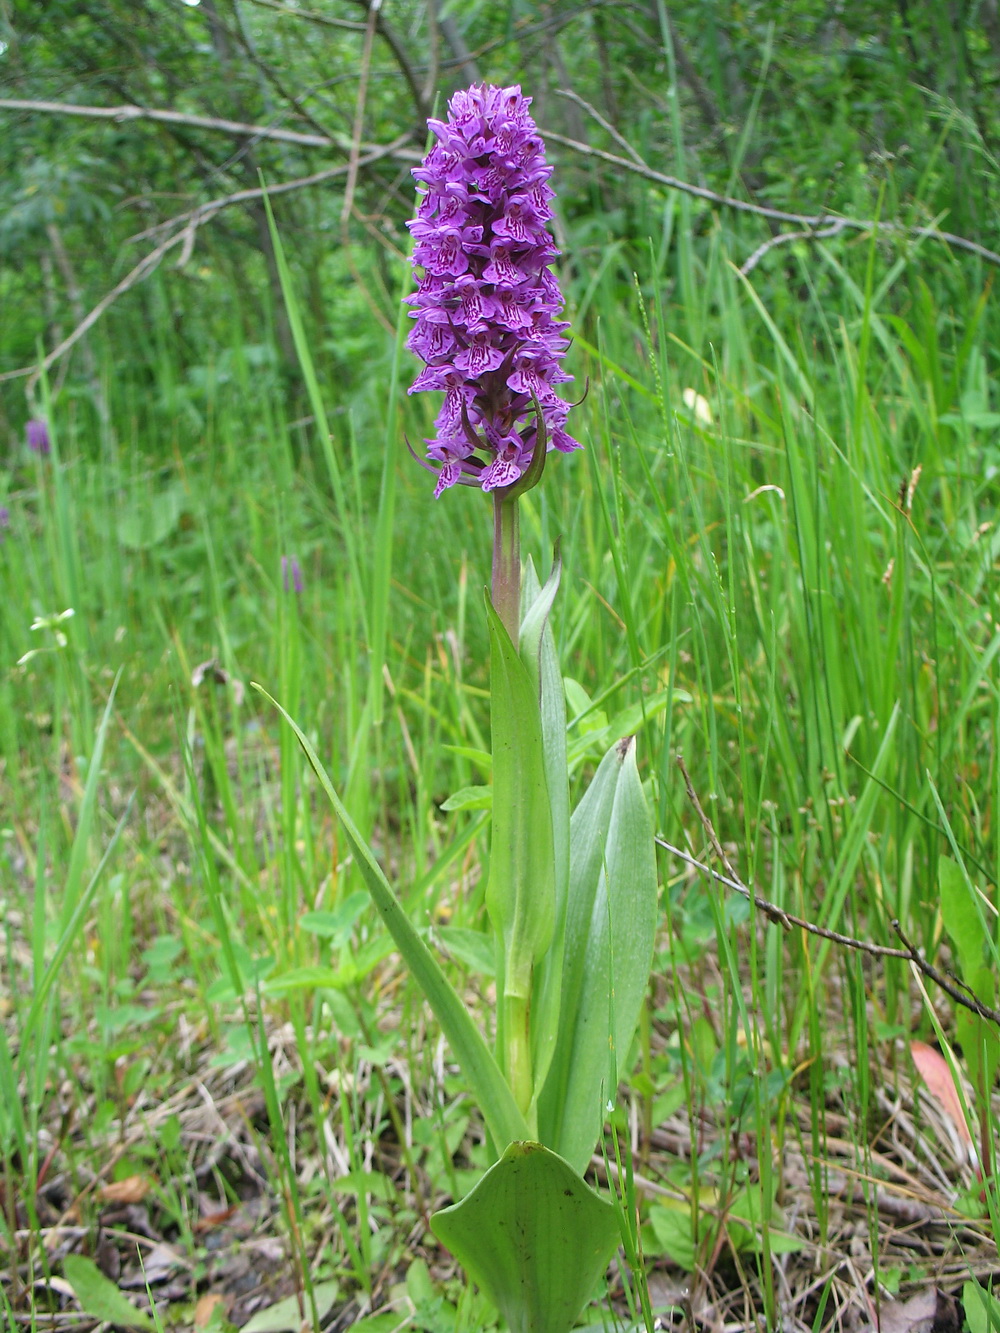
pixel 4 522
pixel 291 574
pixel 487 303
pixel 37 432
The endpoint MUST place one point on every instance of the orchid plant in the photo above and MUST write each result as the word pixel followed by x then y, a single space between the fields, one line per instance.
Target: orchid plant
pixel 571 899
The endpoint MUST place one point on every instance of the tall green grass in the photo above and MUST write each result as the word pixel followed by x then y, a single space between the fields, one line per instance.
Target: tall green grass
pixel 746 584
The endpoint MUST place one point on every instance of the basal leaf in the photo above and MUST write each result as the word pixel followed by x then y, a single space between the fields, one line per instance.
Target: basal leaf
pixel 99 1297
pixel 286 1316
pixel 535 1237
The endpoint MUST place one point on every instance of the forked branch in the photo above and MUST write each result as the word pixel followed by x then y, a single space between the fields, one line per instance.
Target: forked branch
pixel 787 920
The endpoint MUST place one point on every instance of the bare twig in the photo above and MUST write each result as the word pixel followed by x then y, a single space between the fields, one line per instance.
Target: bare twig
pixel 128 112
pixel 308 16
pixel 785 238
pixel 812 221
pixel 142 270
pixel 777 914
pixel 186 225
pixel 961 995
pixel 359 112
pixel 348 209
pixel 396 46
pixel 606 125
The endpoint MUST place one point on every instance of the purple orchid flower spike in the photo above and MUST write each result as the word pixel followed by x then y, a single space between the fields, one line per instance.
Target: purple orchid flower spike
pixel 37 435
pixel 486 305
pixel 291 574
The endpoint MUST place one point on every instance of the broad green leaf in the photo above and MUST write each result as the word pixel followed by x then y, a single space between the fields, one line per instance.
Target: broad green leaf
pixel 982 1309
pixel 674 1234
pixel 534 1235
pixel 286 1316
pixel 963 920
pixel 503 1119
pixel 962 917
pixel 391 1321
pixel 99 1297
pixel 474 948
pixel 745 1224
pixel 146 525
pixel 311 976
pixel 338 924
pixel 520 896
pixel 625 723
pixel 610 929
pixel 469 798
pixel 365 1182
pixel 481 758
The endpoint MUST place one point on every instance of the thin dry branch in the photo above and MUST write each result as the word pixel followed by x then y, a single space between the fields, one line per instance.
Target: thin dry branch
pixel 186 225
pixel 128 112
pixel 350 184
pixel 308 16
pixel 811 221
pixel 785 238
pixel 786 920
pixel 396 46
pixel 605 125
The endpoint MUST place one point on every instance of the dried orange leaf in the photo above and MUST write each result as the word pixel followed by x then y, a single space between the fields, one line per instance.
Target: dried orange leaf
pixel 133 1189
pixel 933 1069
pixel 205 1306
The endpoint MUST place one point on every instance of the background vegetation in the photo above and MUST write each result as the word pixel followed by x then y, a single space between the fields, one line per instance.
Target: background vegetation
pixel 781 556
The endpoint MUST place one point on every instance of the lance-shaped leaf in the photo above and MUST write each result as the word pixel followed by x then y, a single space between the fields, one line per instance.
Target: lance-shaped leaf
pixel 520 897
pixel 540 657
pixel 503 1119
pixel 534 1235
pixel 610 930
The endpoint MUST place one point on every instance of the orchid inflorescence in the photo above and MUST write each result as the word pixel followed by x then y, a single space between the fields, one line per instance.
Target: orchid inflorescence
pixel 36 433
pixel 487 302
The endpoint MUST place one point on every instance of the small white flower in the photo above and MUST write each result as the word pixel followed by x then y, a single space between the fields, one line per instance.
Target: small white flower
pixel 695 403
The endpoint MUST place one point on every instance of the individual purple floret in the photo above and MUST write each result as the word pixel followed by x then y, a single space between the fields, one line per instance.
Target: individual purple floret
pixel 487 303
pixel 291 574
pixel 4 522
pixel 37 433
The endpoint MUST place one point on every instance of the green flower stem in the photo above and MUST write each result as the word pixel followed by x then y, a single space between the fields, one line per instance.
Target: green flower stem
pixel 516 1056
pixel 507 563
